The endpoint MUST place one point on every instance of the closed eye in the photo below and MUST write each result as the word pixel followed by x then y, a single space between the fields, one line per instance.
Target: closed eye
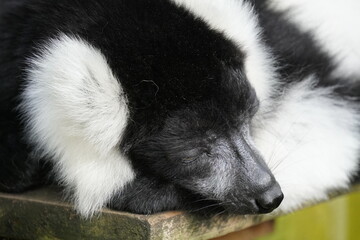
pixel 189 159
pixel 194 155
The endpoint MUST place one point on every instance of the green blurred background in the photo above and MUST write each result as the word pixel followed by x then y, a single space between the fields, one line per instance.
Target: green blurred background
pixel 338 219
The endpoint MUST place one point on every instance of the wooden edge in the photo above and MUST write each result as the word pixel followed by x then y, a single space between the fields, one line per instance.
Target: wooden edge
pixel 41 214
pixel 186 226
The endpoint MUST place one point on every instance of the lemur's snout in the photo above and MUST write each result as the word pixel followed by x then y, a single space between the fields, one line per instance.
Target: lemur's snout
pixel 255 189
pixel 264 201
pixel 270 199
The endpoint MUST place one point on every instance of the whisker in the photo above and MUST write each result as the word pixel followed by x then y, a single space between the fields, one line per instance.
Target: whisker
pixel 223 211
pixel 295 149
pixel 208 206
pixel 204 199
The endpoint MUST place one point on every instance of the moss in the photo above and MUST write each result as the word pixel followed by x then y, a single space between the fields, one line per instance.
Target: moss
pixel 32 220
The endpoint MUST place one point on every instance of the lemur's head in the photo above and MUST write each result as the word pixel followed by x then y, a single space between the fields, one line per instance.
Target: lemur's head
pixel 206 147
pixel 191 107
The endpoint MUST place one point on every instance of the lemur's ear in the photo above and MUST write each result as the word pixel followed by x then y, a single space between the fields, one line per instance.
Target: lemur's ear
pixel 76 113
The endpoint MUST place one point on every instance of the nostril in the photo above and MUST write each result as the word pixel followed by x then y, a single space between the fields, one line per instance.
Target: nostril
pixel 270 200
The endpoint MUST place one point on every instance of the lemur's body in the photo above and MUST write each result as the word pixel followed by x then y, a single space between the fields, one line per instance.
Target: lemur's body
pixel 152 105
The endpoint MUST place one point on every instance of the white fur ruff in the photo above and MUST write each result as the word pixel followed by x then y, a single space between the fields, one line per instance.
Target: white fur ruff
pixel 311 143
pixel 335 26
pixel 76 114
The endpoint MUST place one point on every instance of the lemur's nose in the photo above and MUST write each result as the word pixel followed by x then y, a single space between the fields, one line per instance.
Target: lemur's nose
pixel 270 199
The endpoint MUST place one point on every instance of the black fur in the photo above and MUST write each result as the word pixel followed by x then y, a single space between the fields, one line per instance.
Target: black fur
pixel 148 194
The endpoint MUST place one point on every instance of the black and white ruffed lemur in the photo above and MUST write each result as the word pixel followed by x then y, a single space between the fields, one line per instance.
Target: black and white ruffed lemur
pixel 154 105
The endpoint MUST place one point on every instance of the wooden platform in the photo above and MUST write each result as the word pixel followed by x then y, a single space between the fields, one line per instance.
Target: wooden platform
pixel 42 215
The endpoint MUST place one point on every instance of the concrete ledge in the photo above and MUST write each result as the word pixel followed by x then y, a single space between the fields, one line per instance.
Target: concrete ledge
pixel 41 214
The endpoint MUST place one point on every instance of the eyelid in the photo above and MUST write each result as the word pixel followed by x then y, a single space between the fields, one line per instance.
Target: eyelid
pixel 195 157
pixel 189 159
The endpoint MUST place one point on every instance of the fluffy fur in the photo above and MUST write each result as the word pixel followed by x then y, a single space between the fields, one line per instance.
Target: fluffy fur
pixel 299 132
pixel 75 112
pixel 302 130
pixel 332 25
pixel 148 106
pixel 239 24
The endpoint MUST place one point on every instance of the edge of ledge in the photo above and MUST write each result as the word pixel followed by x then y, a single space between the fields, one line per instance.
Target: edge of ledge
pixel 41 214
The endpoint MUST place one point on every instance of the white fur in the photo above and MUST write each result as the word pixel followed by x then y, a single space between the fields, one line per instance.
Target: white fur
pixel 334 24
pixel 311 143
pixel 236 19
pixel 76 114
